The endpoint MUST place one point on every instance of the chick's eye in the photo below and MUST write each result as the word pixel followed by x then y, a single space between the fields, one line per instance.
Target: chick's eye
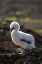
pixel 13 28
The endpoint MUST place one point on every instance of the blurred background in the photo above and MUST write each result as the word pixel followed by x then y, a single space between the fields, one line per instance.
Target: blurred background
pixel 28 13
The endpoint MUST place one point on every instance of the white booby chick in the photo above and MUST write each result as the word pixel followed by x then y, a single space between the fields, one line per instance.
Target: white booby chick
pixel 20 38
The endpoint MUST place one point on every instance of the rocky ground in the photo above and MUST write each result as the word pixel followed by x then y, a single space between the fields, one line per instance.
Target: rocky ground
pixel 28 57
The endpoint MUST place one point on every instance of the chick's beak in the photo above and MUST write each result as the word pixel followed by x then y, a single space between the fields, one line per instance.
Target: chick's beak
pixel 11 30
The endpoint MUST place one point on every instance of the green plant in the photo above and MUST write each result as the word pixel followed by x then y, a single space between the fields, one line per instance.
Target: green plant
pixel 18 12
pixel 27 19
pixel 3 22
pixel 11 18
pixel 38 31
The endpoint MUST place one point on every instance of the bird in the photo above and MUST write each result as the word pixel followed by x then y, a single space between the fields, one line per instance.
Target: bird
pixel 24 40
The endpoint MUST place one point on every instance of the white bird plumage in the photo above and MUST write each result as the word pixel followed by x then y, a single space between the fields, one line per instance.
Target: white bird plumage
pixel 17 35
